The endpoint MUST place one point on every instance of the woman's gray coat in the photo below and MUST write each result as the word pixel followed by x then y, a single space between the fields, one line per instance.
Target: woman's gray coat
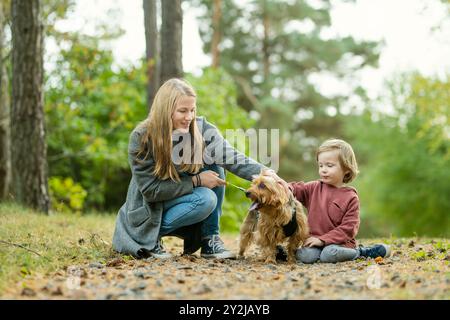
pixel 139 219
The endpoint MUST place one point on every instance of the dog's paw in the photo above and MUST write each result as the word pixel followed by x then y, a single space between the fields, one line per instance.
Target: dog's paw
pixel 270 260
pixel 241 253
pixel 291 260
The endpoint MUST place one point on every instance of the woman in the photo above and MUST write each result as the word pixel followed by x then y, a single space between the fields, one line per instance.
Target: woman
pixel 177 185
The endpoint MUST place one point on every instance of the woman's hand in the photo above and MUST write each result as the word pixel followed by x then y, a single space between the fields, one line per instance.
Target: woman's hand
pixel 313 242
pixel 208 179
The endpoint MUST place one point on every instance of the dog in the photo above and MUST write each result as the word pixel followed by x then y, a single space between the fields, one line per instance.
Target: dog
pixel 274 217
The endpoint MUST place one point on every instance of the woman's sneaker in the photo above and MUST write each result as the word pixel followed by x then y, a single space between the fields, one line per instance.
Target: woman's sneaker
pixel 378 250
pixel 157 252
pixel 213 248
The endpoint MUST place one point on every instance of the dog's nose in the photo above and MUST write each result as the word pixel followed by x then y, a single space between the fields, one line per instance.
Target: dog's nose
pixel 248 194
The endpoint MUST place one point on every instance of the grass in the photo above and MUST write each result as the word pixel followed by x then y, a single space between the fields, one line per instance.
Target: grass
pixel 32 243
pixel 37 245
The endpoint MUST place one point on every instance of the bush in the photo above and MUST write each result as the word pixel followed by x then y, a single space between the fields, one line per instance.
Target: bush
pixel 405 179
pixel 66 195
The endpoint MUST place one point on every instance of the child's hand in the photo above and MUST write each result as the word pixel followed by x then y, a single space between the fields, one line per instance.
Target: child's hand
pixel 280 181
pixel 313 242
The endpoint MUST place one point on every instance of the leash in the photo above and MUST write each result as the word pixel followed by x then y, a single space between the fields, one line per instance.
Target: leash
pixel 233 185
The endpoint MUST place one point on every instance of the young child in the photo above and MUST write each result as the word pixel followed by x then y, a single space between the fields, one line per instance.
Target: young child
pixel 333 208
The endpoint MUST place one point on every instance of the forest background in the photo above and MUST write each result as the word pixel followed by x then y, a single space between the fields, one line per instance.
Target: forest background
pixel 266 57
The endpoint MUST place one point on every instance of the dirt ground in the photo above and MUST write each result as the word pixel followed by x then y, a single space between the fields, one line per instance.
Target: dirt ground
pixel 417 269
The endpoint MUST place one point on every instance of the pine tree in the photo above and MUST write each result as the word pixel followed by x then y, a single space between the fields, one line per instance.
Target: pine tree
pixel 171 39
pixel 5 134
pixel 29 150
pixel 152 49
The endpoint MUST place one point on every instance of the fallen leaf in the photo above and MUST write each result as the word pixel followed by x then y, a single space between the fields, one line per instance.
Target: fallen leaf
pixel 115 262
pixel 379 260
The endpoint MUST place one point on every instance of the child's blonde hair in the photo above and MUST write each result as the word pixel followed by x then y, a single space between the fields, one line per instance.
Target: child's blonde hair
pixel 346 157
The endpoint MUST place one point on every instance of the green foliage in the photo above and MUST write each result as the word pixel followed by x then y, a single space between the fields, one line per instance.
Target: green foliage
pixel 235 206
pixel 66 195
pixel 419 255
pixel 217 100
pixel 405 158
pixel 441 246
pixel 91 109
pixel 53 11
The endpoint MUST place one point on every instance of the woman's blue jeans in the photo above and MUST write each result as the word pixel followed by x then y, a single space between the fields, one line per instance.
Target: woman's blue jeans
pixel 202 205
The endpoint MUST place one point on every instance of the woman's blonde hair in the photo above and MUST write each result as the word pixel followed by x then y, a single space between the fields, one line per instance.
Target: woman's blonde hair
pixel 346 157
pixel 159 130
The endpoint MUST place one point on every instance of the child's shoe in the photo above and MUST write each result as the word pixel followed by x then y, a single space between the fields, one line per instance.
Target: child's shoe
pixel 377 250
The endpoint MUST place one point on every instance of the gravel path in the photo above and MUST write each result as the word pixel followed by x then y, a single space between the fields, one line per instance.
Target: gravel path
pixel 416 270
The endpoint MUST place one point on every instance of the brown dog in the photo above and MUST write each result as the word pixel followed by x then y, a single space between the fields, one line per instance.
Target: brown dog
pixel 281 218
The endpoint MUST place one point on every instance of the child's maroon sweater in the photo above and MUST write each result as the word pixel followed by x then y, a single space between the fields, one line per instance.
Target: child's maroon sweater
pixel 333 213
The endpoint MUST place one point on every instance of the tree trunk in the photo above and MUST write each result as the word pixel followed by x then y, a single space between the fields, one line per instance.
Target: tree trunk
pixel 266 53
pixel 171 39
pixel 29 150
pixel 217 16
pixel 5 132
pixel 152 49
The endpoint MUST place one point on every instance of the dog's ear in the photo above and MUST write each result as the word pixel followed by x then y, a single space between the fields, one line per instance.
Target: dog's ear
pixel 280 197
